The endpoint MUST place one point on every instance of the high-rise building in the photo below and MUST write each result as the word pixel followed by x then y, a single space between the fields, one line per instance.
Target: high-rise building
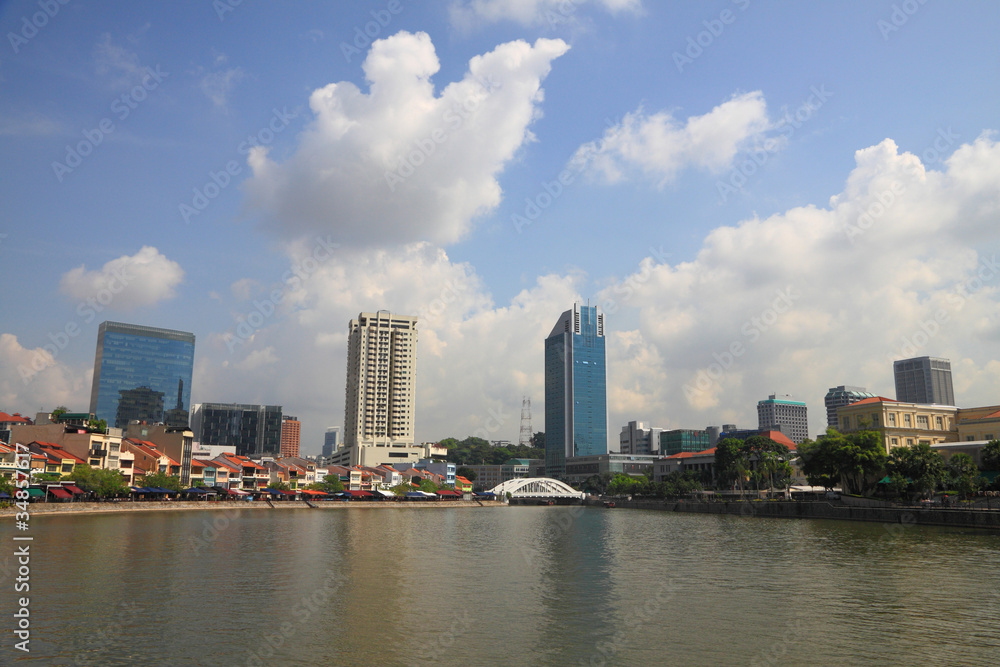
pixel 685 440
pixel 837 397
pixel 254 430
pixel 331 440
pixel 924 380
pixel 381 389
pixel 785 415
pixel 290 428
pixel 136 368
pixel 576 407
pixel 637 439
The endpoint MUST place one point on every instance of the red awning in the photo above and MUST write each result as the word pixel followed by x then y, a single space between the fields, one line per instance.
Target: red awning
pixel 73 488
pixel 360 494
pixel 310 492
pixel 59 492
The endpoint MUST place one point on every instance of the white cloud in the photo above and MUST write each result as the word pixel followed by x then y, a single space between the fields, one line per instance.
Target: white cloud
pixel 902 263
pixel 218 84
pixel 34 378
pixel 118 63
pixel 470 13
pixel 400 163
pixel 659 146
pixel 128 282
pixel 854 306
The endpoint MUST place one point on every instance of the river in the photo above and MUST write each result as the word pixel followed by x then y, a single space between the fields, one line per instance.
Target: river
pixel 503 586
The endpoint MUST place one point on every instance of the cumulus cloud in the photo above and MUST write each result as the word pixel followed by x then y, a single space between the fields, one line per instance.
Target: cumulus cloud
pixel 796 302
pixel 127 282
pixel 401 163
pixel 658 146
pixel 470 13
pixel 901 263
pixel 35 377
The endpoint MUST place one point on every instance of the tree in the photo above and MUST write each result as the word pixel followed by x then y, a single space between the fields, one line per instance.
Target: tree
pixel 860 459
pixel 818 462
pixel 624 485
pixel 538 440
pixel 921 464
pixel 279 486
pixel 467 472
pixel 163 481
pixel 330 484
pixel 198 484
pixel 102 483
pixel 97 425
pixel 963 474
pixel 428 486
pixel 58 412
pixel 402 489
pixel 991 455
pixel 730 463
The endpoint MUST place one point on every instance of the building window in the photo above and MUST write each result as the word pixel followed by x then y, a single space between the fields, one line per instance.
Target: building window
pixel 988 436
pixel 909 442
pixel 892 419
pixel 940 423
pixel 845 423
pixel 906 421
pixel 923 421
pixel 895 441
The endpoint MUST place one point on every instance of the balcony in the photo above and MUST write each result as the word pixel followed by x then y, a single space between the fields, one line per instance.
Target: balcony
pixel 99 452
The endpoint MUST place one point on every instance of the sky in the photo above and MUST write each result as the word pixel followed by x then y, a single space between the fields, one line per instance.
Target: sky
pixel 763 197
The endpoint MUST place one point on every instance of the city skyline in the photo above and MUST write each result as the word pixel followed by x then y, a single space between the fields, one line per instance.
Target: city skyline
pixel 750 212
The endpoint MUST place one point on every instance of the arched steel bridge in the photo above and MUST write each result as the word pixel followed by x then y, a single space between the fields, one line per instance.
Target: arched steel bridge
pixel 540 488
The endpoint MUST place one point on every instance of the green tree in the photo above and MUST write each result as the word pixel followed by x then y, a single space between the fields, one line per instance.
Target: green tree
pixel 279 486
pixel 163 481
pixel 623 485
pixel 401 489
pixel 198 484
pixel 428 486
pixel 467 473
pixel 990 455
pixel 58 412
pixel 730 463
pixel 818 461
pixel 97 425
pixel 102 483
pixel 330 484
pixel 860 458
pixel 963 474
pixel 921 464
pixel 538 441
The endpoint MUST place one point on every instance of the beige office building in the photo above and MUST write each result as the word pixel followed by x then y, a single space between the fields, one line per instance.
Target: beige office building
pixel 381 389
pixel 902 424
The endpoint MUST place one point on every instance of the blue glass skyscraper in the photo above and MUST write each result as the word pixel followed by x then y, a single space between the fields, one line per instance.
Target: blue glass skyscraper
pixel 142 373
pixel 576 406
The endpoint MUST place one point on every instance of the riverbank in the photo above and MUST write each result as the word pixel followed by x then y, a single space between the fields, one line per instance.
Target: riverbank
pixel 36 510
pixel 791 509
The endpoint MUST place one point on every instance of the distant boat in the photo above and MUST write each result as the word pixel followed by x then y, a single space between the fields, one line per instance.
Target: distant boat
pixel 609 503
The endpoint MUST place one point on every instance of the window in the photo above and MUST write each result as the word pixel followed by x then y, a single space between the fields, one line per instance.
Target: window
pixel 923 421
pixel 909 442
pixel 845 423
pixel 907 421
pixel 940 423
pixel 892 419
pixel 988 436
pixel 875 419
pixel 895 441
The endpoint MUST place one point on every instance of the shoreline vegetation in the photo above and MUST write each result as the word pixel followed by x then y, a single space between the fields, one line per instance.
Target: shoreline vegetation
pixel 78 508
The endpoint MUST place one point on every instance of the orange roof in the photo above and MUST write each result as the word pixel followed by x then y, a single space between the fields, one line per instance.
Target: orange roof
pixel 4 417
pixel 780 438
pixel 459 478
pixel 872 401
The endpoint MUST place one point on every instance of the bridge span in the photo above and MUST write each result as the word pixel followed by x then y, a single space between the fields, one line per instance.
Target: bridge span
pixel 538 488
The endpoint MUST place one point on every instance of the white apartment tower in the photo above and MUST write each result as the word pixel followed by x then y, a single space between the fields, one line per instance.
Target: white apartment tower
pixel 381 384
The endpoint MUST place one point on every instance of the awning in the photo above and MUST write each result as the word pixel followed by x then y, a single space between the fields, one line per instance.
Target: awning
pixel 419 495
pixel 448 492
pixel 486 494
pixel 195 490
pixel 4 496
pixel 359 494
pixel 310 492
pixel 60 492
pixel 36 493
pixel 385 494
pixel 74 489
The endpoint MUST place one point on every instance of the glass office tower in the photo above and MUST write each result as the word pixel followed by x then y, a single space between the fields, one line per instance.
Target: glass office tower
pixel 576 407
pixel 142 373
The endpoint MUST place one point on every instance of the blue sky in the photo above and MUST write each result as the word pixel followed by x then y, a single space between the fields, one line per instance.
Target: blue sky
pixel 652 112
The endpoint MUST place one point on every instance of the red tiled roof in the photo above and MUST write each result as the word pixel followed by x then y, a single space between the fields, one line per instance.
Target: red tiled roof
pixel 781 438
pixel 683 455
pixel 873 400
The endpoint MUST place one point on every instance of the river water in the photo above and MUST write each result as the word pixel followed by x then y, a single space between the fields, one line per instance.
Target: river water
pixel 503 586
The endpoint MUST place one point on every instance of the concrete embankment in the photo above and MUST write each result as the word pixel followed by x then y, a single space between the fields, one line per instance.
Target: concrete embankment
pixel 62 509
pixel 931 516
